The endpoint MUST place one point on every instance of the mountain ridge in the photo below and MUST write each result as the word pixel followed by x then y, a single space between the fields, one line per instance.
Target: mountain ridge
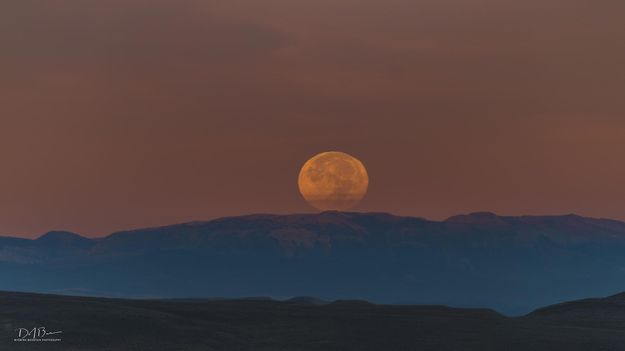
pixel 469 218
pixel 512 264
pixel 480 217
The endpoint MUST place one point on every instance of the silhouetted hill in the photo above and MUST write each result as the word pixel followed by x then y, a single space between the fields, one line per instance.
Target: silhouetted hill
pixel 62 239
pixel 587 311
pixel 512 264
pixel 307 300
pixel 95 324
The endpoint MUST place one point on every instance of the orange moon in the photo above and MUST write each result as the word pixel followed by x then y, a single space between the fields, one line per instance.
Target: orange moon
pixel 333 181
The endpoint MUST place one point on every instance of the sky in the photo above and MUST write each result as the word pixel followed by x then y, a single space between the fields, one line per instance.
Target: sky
pixel 122 114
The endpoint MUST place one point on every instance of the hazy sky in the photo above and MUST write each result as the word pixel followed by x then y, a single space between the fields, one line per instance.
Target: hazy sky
pixel 125 113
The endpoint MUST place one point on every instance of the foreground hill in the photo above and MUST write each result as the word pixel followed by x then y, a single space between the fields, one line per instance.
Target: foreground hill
pixel 302 324
pixel 511 264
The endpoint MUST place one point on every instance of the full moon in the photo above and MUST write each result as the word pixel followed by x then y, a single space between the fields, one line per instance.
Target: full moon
pixel 333 181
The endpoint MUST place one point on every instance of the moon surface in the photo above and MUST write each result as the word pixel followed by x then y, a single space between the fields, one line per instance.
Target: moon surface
pixel 333 181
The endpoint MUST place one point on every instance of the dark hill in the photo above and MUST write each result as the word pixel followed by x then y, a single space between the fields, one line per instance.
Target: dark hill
pixel 96 324
pixel 68 240
pixel 585 312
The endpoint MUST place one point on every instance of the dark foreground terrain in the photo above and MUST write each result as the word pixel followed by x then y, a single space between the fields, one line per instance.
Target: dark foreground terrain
pixel 304 324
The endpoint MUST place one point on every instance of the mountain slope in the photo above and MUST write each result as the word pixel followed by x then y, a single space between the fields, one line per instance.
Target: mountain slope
pixel 512 264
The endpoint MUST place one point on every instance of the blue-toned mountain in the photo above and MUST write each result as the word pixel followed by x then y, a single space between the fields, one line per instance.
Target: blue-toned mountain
pixel 512 264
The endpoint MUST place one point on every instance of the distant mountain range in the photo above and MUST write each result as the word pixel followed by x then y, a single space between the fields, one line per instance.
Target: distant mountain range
pixel 304 324
pixel 512 264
